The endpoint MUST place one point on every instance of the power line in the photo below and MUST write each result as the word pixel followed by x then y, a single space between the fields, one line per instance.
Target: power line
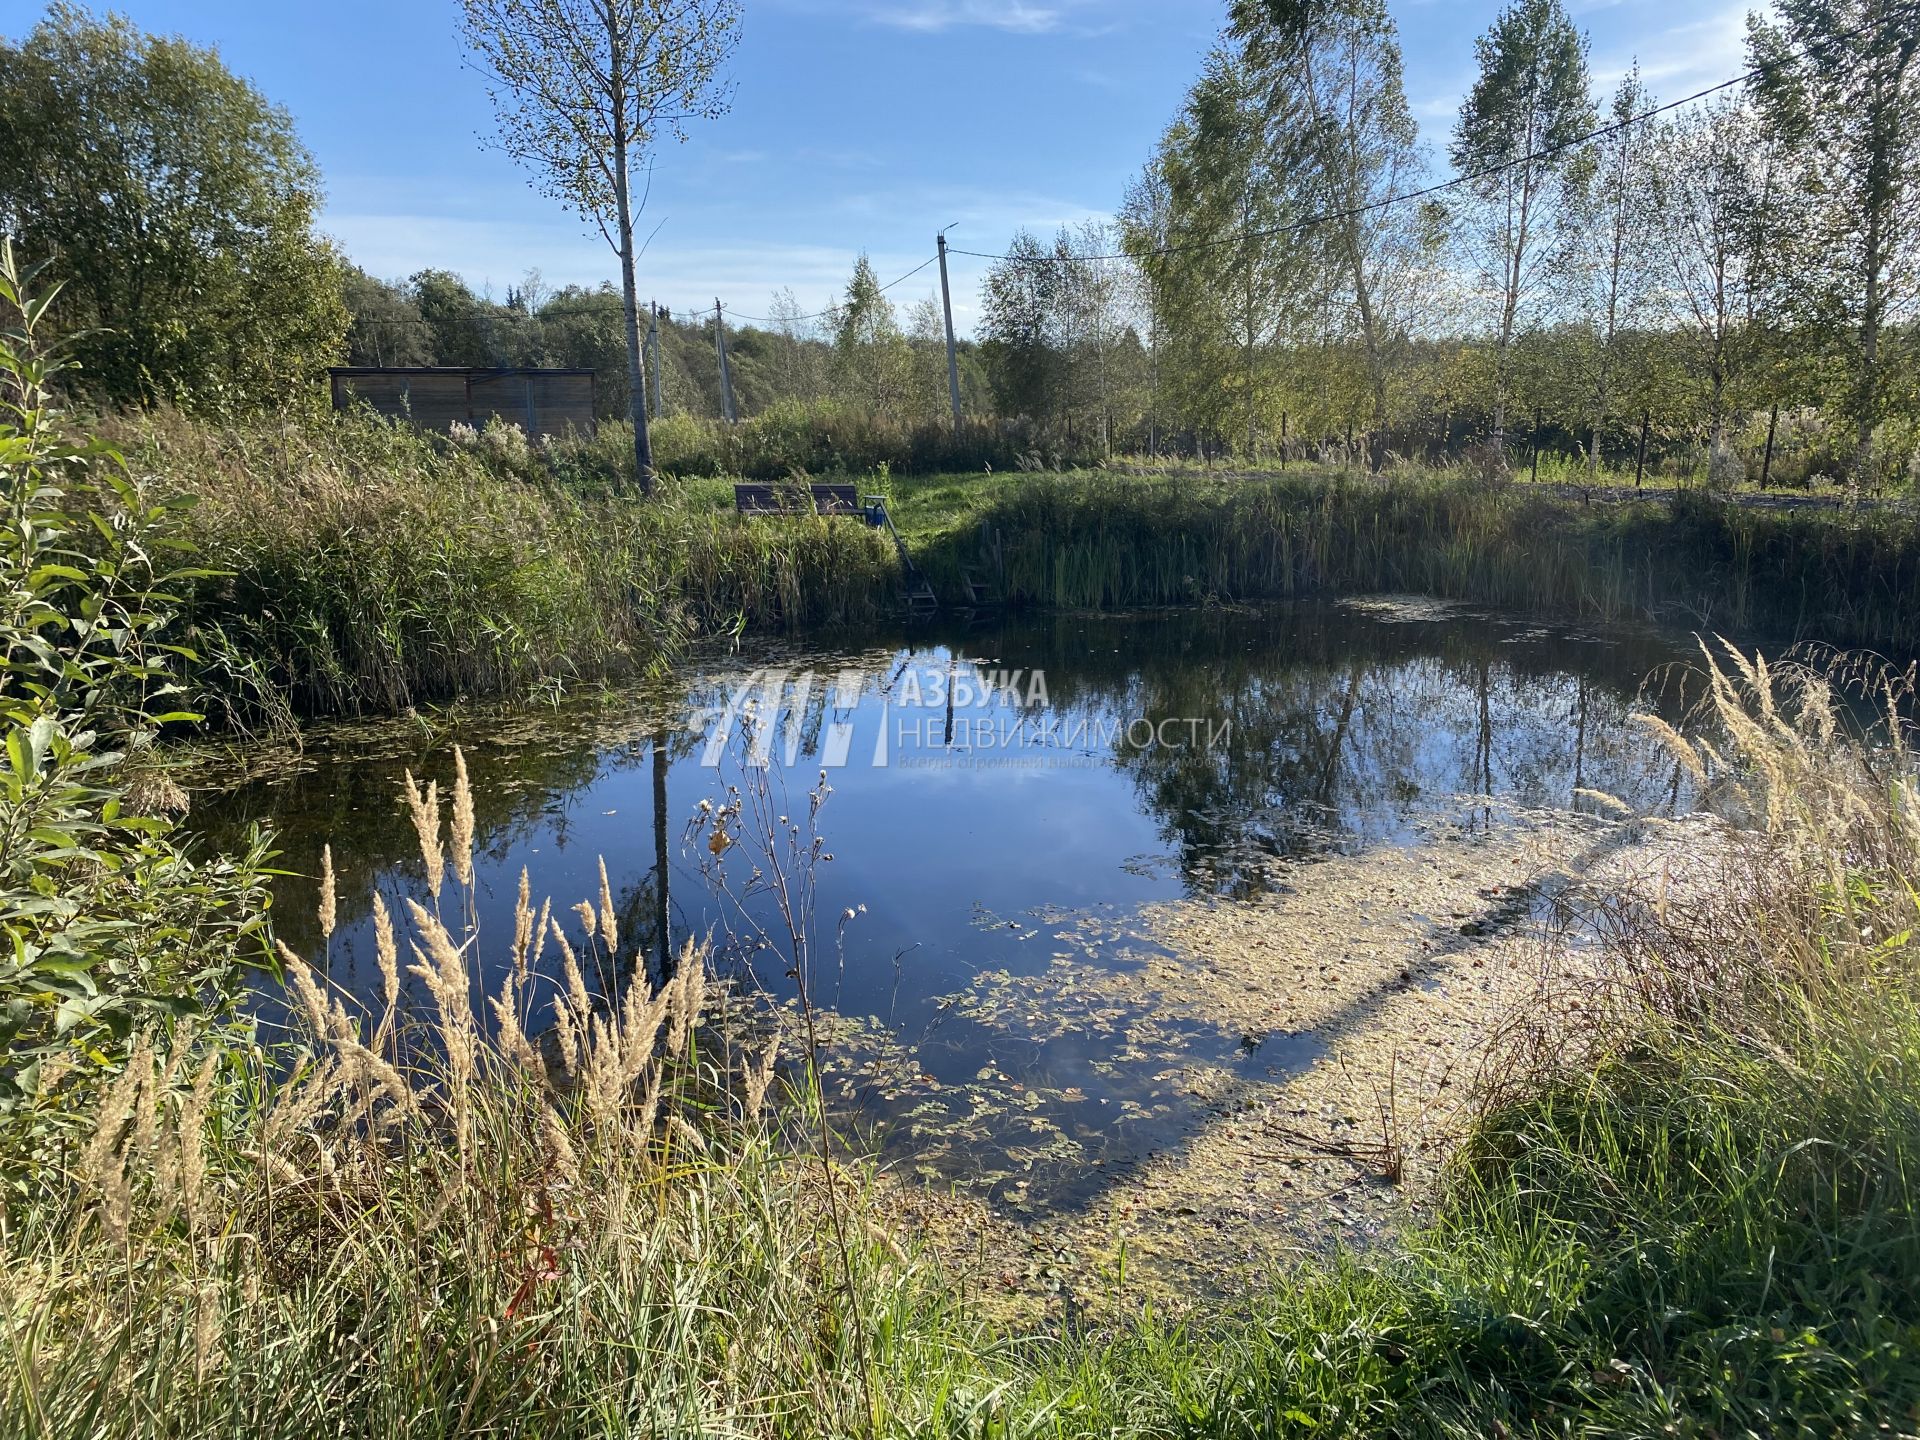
pixel 1533 157
pixel 822 314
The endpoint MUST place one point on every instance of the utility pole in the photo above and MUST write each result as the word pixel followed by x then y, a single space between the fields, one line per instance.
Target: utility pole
pixel 653 357
pixel 1766 465
pixel 726 376
pixel 953 360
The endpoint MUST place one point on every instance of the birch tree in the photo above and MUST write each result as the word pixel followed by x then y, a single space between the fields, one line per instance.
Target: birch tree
pixel 1840 84
pixel 1242 270
pixel 1516 135
pixel 584 90
pixel 872 358
pixel 1717 183
pixel 1333 68
pixel 1144 221
pixel 1616 244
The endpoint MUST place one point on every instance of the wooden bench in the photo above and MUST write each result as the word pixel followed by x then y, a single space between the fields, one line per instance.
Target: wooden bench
pixel 828 500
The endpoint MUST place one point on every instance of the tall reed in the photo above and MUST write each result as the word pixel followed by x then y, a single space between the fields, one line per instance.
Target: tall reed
pixel 1106 542
pixel 368 568
pixel 585 1220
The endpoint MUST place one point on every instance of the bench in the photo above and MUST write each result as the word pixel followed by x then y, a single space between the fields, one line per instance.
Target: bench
pixel 828 500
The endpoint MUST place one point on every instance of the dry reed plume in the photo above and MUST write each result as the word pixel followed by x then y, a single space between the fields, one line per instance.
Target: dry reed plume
pixel 585 1178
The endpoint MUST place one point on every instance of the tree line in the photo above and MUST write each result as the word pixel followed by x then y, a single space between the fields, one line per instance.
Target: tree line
pixel 1290 274
pixel 1596 270
pixel 862 352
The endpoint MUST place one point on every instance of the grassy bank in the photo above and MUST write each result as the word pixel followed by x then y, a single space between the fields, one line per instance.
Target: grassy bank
pixel 370 568
pixel 1102 542
pixel 1687 1207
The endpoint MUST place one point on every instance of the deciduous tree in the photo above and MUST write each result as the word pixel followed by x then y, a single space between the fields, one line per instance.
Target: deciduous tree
pixel 1840 85
pixel 177 206
pixel 1334 67
pixel 1516 138
pixel 584 90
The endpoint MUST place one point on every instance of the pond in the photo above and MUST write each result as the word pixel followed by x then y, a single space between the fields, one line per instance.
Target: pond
pixel 1000 799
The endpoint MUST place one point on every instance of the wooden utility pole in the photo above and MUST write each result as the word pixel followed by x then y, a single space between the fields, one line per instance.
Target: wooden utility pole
pixel 1640 462
pixel 653 357
pixel 953 358
pixel 1766 465
pixel 726 376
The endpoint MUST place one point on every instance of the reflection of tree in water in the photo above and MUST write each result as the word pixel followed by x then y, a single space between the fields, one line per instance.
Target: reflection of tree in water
pixel 346 794
pixel 1349 728
pixel 1344 728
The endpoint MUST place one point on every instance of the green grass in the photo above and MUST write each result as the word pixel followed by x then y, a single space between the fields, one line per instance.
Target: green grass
pixel 1101 541
pixel 372 569
pixel 1709 1235
pixel 1699 1239
pixel 1687 1208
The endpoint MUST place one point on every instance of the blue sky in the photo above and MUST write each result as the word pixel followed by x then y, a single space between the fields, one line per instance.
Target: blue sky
pixel 857 124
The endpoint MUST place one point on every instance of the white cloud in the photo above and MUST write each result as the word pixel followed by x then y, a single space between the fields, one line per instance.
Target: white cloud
pixel 1015 16
pixel 1683 58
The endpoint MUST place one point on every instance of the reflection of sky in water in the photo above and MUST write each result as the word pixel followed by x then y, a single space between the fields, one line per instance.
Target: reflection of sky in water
pixel 1348 727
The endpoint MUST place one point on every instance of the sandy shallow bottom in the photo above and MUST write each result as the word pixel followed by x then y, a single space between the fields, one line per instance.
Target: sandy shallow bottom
pixel 1407 967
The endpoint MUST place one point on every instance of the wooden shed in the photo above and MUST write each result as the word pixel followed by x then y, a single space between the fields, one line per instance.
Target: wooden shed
pixel 540 402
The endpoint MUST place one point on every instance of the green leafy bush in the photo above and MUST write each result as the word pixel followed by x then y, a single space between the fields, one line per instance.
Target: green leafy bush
pixel 105 922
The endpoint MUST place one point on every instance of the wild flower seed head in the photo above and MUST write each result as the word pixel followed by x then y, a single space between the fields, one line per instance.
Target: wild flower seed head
pixel 462 821
pixel 206 1329
pixel 609 924
pixel 386 952
pixel 511 1039
pixel 557 1146
pixel 522 927
pixel 192 1140
pixel 759 1076
pixel 423 806
pixel 329 898
pixel 570 971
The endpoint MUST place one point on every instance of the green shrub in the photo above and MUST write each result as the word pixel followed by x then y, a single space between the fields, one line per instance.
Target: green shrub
pixel 106 923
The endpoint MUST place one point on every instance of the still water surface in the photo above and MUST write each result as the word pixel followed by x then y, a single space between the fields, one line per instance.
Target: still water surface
pixel 1003 796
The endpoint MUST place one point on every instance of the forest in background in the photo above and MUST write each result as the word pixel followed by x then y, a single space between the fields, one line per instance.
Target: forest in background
pixel 1723 288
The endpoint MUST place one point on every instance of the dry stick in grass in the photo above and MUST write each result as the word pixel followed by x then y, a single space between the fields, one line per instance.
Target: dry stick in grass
pixel 772 833
pixel 1392 1156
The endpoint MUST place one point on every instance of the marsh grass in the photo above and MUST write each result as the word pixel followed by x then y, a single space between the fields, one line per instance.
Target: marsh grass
pixel 1848 578
pixel 586 1221
pixel 369 568
pixel 1686 1207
